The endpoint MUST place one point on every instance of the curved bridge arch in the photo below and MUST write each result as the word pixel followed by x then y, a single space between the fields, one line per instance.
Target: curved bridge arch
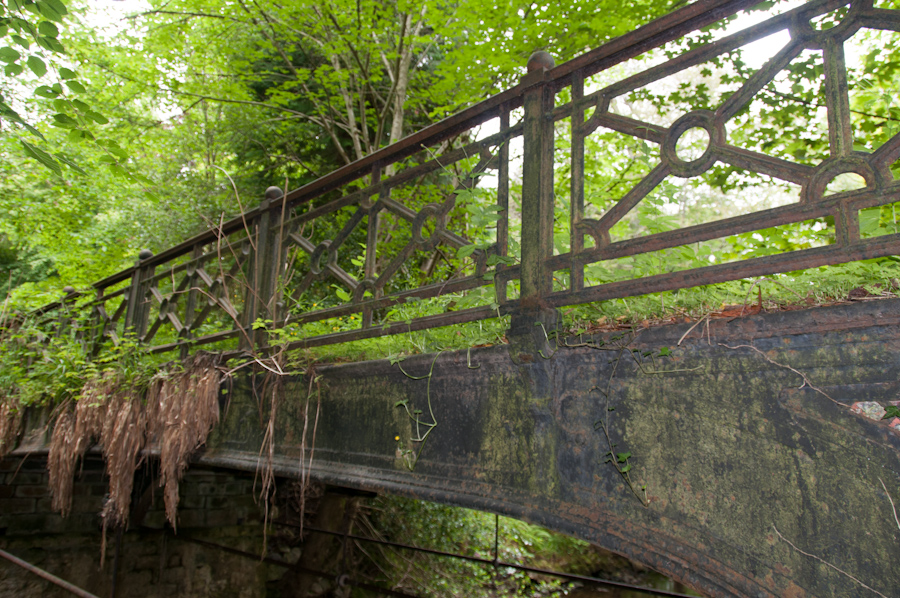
pixel 746 465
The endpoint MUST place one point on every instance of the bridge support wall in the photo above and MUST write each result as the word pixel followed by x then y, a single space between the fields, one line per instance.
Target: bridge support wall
pixel 749 473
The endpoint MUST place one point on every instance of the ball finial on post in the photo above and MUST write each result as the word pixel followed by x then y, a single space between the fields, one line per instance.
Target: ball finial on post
pixel 68 290
pixel 273 192
pixel 540 60
pixel 145 254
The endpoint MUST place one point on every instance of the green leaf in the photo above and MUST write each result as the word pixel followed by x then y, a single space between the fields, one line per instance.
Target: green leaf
pixel 118 170
pixel 45 92
pixel 7 54
pixel 68 162
pixel 55 5
pixel 76 86
pixel 402 403
pixel 623 457
pixel 47 28
pixel 21 41
pixel 891 411
pixel 465 251
pixel 37 66
pixel 664 351
pixel 65 121
pixel 13 70
pixel 78 135
pixel 42 157
pixel 626 469
pixel 98 118
pixel 65 73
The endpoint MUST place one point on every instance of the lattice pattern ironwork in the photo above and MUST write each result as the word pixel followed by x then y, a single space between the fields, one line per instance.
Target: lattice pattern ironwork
pixel 397 225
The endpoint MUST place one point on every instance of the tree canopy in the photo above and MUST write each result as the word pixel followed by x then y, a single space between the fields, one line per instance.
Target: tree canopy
pixel 143 131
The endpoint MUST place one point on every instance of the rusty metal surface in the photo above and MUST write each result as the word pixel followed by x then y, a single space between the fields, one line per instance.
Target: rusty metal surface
pixel 213 287
pixel 730 443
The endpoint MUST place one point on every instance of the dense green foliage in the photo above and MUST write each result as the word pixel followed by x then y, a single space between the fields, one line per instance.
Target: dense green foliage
pixel 166 120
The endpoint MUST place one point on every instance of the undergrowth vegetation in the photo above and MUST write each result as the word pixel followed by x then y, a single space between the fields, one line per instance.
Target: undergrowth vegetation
pixel 476 534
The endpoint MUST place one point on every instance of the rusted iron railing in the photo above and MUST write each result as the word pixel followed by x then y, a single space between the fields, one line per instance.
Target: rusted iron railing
pixel 289 259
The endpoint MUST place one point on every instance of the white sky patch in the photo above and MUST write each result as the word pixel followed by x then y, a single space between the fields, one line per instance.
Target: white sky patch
pixel 110 16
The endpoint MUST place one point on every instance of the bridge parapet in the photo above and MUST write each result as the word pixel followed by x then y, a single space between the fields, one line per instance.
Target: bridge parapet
pixel 729 461
pixel 474 223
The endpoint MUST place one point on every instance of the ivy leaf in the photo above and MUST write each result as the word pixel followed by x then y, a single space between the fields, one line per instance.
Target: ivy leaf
pixel 623 457
pixel 37 66
pixel 42 157
pixel 891 411
pixel 665 351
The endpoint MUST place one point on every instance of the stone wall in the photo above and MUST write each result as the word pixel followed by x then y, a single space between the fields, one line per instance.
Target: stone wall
pixel 215 506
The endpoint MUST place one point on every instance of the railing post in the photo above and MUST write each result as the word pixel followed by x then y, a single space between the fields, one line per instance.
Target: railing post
pixel 136 313
pixel 534 319
pixel 263 302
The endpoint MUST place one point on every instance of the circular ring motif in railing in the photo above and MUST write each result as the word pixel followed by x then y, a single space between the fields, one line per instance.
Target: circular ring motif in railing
pixel 429 221
pixel 810 31
pixel 322 250
pixel 673 153
pixel 364 286
pixel 832 168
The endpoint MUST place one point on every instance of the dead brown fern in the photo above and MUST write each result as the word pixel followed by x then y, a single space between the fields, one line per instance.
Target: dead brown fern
pixel 122 440
pixel 60 461
pixel 180 410
pixel 10 424
pixel 183 408
pixel 76 429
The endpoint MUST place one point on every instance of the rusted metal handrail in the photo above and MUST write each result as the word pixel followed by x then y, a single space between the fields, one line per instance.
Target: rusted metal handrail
pixel 216 285
pixel 47 576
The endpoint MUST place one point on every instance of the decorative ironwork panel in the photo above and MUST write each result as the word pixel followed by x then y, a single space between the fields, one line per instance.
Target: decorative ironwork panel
pixel 432 224
pixel 706 120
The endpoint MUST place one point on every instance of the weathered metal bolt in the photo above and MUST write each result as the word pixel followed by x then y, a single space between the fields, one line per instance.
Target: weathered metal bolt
pixel 540 60
pixel 145 254
pixel 273 192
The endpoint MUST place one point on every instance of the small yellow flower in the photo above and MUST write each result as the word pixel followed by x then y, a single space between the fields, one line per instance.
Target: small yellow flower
pixel 397 438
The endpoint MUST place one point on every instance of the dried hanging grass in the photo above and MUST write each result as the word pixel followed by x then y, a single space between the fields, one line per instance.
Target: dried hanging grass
pixel 61 462
pixel 182 410
pixel 10 424
pixel 74 432
pixel 122 440
pixel 179 413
